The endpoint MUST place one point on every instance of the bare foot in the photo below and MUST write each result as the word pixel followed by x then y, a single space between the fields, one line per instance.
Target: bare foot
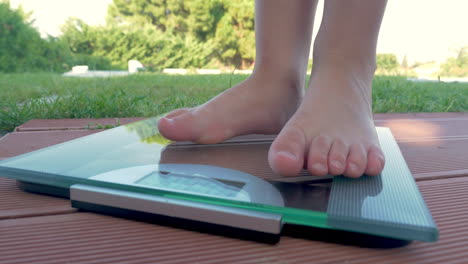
pixel 260 104
pixel 333 131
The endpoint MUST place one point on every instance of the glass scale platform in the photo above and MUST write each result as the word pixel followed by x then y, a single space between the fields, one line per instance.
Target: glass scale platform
pixel 230 184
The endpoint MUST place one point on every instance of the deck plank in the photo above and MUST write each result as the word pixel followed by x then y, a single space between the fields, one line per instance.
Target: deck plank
pixel 15 203
pixel 93 238
pixel 17 143
pixel 72 124
pixel 42 229
pixel 434 128
pixel 427 158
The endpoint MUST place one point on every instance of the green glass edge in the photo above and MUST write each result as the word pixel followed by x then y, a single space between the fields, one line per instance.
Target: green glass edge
pixel 290 215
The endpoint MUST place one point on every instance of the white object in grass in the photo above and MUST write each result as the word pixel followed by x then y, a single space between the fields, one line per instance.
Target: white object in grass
pixel 134 66
pixel 80 69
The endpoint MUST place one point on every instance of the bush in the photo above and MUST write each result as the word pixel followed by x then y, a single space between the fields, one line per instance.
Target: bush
pixel 20 43
pixel 23 50
pixel 93 62
pixel 150 46
pixel 456 66
pixel 387 64
pixel 170 34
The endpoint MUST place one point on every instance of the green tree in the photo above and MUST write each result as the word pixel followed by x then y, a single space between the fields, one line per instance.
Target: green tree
pixel 456 66
pixel 22 48
pixel 404 63
pixel 18 39
pixel 224 27
pixel 387 62
pixel 79 36
pixel 146 43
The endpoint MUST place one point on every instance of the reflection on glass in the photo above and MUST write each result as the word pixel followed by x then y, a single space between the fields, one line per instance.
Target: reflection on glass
pixel 137 158
pixel 351 196
pixel 148 132
pixel 197 184
pixel 205 180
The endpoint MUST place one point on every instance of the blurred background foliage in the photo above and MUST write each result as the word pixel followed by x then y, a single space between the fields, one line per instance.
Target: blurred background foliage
pixel 160 34
pixel 23 50
pixel 170 34
pixel 456 66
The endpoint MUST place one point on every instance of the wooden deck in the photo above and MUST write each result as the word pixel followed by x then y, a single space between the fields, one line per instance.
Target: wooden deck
pixel 42 229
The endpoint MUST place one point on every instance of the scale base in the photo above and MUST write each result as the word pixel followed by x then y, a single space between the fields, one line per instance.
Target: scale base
pixel 186 224
pixel 296 231
pixel 43 189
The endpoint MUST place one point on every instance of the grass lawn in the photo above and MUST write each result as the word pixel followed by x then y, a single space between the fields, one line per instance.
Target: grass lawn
pixel 47 95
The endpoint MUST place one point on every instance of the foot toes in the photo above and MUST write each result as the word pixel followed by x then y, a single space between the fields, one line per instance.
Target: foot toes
pixel 286 155
pixel 177 112
pixel 375 161
pixel 356 161
pixel 178 128
pixel 317 163
pixel 337 157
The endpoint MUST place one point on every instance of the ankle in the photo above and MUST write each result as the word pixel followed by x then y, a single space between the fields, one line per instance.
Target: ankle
pixel 292 80
pixel 343 75
pixel 343 78
pixel 363 66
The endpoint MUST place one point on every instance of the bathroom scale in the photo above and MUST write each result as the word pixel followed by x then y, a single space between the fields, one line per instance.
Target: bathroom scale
pixel 133 170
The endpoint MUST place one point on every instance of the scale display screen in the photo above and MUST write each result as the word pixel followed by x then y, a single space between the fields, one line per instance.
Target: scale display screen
pixel 192 184
pixel 235 173
pixel 197 184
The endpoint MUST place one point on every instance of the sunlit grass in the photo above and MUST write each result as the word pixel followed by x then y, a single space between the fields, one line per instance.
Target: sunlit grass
pixel 396 94
pixel 47 95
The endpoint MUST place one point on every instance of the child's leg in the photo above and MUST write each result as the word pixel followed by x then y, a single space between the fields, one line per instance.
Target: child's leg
pixel 333 130
pixel 267 99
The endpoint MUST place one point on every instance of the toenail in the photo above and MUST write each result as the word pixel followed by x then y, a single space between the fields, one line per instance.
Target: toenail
pixel 353 167
pixel 336 164
pixel 381 164
pixel 319 167
pixel 170 121
pixel 288 155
